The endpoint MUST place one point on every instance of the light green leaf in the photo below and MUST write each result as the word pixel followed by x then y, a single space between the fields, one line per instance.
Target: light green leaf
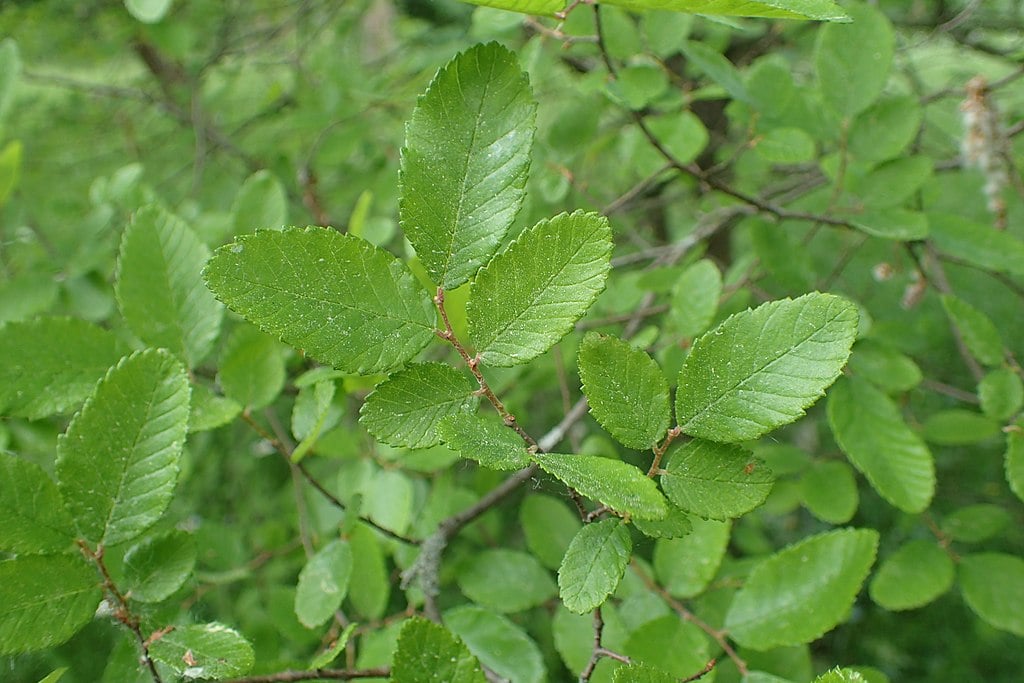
pixel 670 644
pixel 893 224
pixel 594 564
pixel 627 392
pixel 785 146
pixel 977 243
pixel 825 10
pixel 209 411
pixel 251 369
pixel 388 499
pixel 549 527
pixel 868 427
pixel 506 580
pixel 893 182
pixel 158 566
pixel 46 599
pixel 617 484
pixel 10 169
pixel 853 60
pixel 682 133
pixel 803 591
pixel 529 296
pixel 43 372
pixel 829 491
pixel 885 129
pixel 715 480
pixel 159 288
pixel 34 517
pixel 915 575
pixel 641 673
pixel 312 414
pixel 205 651
pixel 838 675
pixel 675 524
pixel 979 333
pixel 369 587
pixel 261 202
pixel 323 583
pixel 717 67
pixel 958 427
pixel 541 7
pixel 1001 393
pixel 465 162
pixel 404 409
pixel 489 442
pixel 500 644
pixel 429 653
pixel 976 523
pixel 343 301
pixel 148 11
pixel 685 566
pixel 117 464
pixel 10 72
pixel 54 675
pixel 885 367
pixel 760 369
pixel 324 659
pixel 1013 462
pixel 993 586
pixel 695 298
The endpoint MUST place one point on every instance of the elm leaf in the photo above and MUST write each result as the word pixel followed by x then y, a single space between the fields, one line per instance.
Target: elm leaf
pixel 593 564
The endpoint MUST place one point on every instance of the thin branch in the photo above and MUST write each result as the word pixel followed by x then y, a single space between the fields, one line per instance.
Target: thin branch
pixel 315 675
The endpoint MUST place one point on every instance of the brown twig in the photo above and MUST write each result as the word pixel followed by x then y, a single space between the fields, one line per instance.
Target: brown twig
pixel 315 675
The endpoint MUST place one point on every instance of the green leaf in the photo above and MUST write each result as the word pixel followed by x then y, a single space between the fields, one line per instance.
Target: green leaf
pixel 979 333
pixel 429 653
pixel 993 586
pixel 670 644
pixel 838 675
pixel 117 464
pixel 1001 393
pixel 148 11
pixel 209 411
pixel 489 442
pixel 549 527
pixel 715 480
pixel 871 432
pixel 885 129
pixel 261 202
pixel 46 599
pixel 675 524
pixel 369 587
pixel 626 390
pixel 785 146
pixel 886 368
pixel 157 567
pixel 893 182
pixel 641 673
pixel 42 373
pixel 500 644
pixel 159 288
pixel 324 659
pixel 717 67
pixel 976 523
pixel 34 517
pixel 251 369
pixel 530 296
pixel 915 575
pixel 54 675
pixel 958 427
pixel 695 298
pixel 323 583
pixel 594 564
pixel 506 580
pixel 10 72
pixel 541 7
pixel 829 491
pixel 617 484
pixel 685 566
pixel 853 60
pixel 682 133
pixel 893 224
pixel 10 169
pixel 803 591
pixel 465 162
pixel 977 243
pixel 388 499
pixel 312 414
pixel 825 10
pixel 404 409
pixel 343 301
pixel 1013 462
pixel 207 651
pixel 760 369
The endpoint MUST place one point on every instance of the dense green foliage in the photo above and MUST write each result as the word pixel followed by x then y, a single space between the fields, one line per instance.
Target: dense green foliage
pixel 622 345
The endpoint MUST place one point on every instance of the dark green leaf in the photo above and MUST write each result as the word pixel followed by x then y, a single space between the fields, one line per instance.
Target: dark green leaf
pixel 46 599
pixel 626 390
pixel 803 591
pixel 958 427
pixel 642 673
pixel 506 580
pixel 594 564
pixel 853 60
pixel 343 301
pixel 829 491
pixel 251 370
pixel 51 364
pixel 675 524
pixel 429 653
pixel 870 430
pixel 323 583
pixel 886 368
pixel 617 484
pixel 671 644
pixel 158 566
pixel 159 287
pixel 976 523
pixel 209 651
pixel 34 517
pixel 884 129
pixel 500 644
pixel 405 409
pixel 915 575
pixel 117 464
pixel 529 296
pixel 369 586
pixel 489 442
pixel 717 67
pixel 893 224
pixel 465 162
pixel 715 480
pixel 1013 462
pixel 760 369
pixel 977 243
pixel 993 586
pixel 549 526
pixel 978 331
pixel 261 202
